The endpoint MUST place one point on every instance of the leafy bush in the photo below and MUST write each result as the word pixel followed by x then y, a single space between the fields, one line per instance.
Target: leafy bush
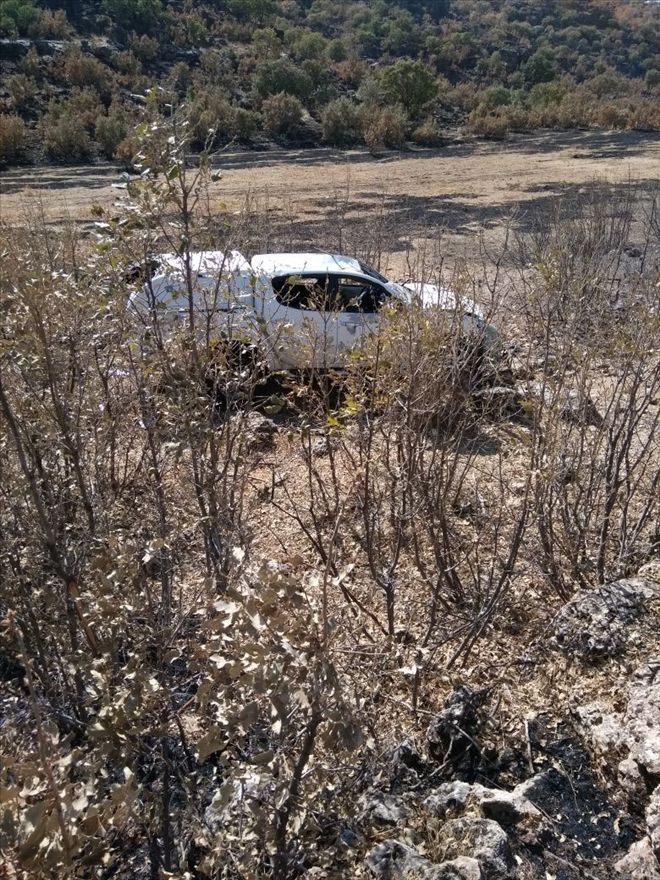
pixel 340 122
pixel 281 113
pixel 113 128
pixel 144 47
pixel 18 17
pixel 273 77
pixel 13 137
pixel 141 16
pixel 539 68
pixel 411 84
pixel 68 125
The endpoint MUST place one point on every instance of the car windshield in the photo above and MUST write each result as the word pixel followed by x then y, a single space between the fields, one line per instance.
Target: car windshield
pixel 368 270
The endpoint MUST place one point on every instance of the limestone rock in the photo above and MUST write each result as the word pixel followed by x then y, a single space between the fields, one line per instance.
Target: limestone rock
pixel 510 807
pixel 393 860
pixel 593 624
pixel 449 797
pixel 380 808
pixel 481 839
pixel 642 718
pixel 639 863
pixel 653 822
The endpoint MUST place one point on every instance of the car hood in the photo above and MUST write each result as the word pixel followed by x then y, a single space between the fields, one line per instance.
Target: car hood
pixel 431 295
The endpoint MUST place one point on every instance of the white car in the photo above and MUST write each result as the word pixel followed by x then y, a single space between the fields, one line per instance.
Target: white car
pixel 303 310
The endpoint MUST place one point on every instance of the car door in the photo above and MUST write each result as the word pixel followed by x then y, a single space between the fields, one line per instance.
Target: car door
pixel 303 321
pixel 359 301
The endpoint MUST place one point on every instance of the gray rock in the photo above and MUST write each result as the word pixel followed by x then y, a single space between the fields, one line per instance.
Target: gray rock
pixel 481 839
pixel 573 405
pixel 632 782
pixel 593 624
pixel 642 718
pixel 500 401
pixel 653 822
pixel 380 808
pixel 510 807
pixel 449 797
pixel 504 807
pixel 262 432
pixel 393 860
pixel 639 863
pixel 650 571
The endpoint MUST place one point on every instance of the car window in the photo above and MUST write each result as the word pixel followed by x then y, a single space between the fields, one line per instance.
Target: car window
pixel 359 295
pixel 309 292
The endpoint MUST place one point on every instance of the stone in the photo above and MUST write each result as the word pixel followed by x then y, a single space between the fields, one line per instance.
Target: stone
pixel 631 782
pixel 639 863
pixel 262 432
pixel 380 808
pixel 449 797
pixel 573 405
pixel 653 822
pixel 481 839
pixel 500 401
pixel 509 807
pixel 394 860
pixel 650 571
pixel 642 718
pixel 593 624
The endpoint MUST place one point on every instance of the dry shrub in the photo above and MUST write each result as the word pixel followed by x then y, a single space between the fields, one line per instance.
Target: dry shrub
pixel 22 89
pixel 13 137
pixel 53 24
pixel 383 127
pixel 77 69
pixel 427 134
pixel 282 113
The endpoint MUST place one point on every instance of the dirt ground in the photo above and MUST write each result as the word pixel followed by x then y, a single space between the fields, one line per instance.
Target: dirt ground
pixel 322 197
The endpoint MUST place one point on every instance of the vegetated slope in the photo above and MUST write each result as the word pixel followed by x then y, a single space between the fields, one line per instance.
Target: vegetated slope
pixel 74 75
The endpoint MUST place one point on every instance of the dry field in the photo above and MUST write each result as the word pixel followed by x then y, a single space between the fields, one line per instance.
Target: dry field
pixel 457 193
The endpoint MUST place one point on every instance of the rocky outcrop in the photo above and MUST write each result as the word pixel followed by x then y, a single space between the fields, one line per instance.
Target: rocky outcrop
pixel 394 860
pixel 480 839
pixel 594 625
pixel 633 736
pixel 642 861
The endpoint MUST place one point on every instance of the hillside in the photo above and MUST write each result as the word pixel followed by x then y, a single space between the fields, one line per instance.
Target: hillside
pixel 77 77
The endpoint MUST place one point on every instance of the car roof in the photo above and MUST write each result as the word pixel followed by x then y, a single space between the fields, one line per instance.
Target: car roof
pixel 203 263
pixel 298 263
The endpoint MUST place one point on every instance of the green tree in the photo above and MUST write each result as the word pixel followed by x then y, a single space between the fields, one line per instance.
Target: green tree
pixel 17 17
pixel 411 84
pixel 539 67
pixel 142 16
pixel 282 75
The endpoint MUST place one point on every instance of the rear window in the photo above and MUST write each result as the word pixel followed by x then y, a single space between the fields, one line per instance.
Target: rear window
pixel 311 292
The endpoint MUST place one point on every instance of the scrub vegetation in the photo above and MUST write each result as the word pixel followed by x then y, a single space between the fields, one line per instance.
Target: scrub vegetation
pixel 75 75
pixel 228 607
